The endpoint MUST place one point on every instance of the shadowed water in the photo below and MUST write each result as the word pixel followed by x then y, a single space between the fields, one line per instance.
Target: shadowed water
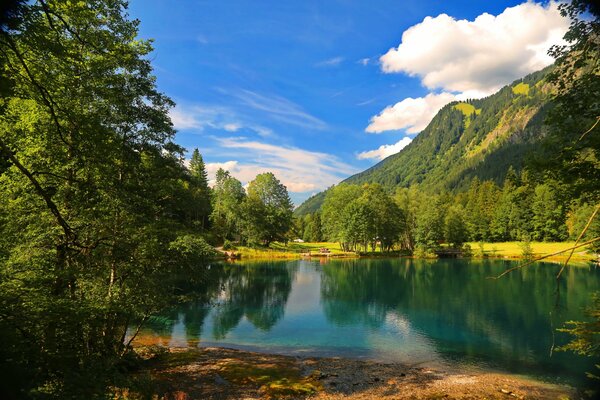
pixel 410 311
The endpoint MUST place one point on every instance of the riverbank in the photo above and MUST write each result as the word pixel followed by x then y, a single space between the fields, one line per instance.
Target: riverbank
pixel 480 250
pixel 220 373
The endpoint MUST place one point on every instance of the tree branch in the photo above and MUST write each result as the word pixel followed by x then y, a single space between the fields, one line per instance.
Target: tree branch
pixel 69 234
pixel 544 257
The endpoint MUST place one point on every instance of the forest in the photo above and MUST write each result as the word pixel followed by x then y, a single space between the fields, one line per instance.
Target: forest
pixel 524 209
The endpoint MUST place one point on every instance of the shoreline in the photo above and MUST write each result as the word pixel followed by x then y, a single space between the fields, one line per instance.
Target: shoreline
pixel 491 251
pixel 186 373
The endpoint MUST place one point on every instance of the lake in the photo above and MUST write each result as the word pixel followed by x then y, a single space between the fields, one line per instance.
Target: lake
pixel 418 312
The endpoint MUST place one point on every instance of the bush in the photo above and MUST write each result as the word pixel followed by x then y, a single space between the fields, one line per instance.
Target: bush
pixel 191 250
pixel 423 252
pixel 526 250
pixel 227 245
pixel 466 251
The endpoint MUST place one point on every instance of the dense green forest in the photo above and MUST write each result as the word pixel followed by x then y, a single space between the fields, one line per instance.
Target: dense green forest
pixel 524 208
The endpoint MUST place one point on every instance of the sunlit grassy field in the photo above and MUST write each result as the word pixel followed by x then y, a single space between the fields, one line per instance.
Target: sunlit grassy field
pixel 292 250
pixel 515 250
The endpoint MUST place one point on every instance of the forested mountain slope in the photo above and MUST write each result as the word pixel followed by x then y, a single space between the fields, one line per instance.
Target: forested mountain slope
pixel 476 138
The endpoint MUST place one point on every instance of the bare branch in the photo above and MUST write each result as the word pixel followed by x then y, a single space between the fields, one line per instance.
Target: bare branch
pixel 579 238
pixel 589 130
pixel 520 266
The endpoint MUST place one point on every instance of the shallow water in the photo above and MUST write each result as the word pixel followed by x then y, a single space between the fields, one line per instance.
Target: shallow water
pixel 411 311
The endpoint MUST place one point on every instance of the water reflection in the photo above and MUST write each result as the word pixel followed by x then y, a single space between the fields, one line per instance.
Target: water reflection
pixel 403 310
pixel 258 292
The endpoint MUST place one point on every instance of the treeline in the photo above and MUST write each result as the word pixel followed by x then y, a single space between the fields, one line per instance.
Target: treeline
pixel 524 208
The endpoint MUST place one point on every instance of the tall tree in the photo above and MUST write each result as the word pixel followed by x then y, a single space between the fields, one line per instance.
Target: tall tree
pixel 200 189
pixel 268 210
pixel 226 215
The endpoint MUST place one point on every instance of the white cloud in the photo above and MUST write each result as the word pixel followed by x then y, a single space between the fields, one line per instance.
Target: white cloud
pixel 184 120
pixel 200 117
pixel 231 127
pixel 410 114
pixel 385 150
pixel 332 62
pixel 364 61
pixel 300 170
pixel 480 55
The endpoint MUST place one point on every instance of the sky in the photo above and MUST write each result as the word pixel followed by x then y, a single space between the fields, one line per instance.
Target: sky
pixel 317 90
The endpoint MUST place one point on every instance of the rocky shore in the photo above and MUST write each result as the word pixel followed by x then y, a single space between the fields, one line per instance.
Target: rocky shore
pixel 220 373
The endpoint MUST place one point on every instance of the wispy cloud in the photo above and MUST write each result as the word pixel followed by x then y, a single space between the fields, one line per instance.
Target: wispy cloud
pixel 364 61
pixel 278 108
pixel 330 62
pixel 200 117
pixel 300 170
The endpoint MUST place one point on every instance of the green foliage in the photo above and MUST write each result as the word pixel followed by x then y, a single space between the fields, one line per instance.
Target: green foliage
pixel 526 250
pixel 360 218
pixel 577 220
pixel 455 227
pixel 201 202
pixel 586 334
pixel 95 202
pixel 227 245
pixel 572 145
pixel 267 211
pixel 191 250
pixel 227 199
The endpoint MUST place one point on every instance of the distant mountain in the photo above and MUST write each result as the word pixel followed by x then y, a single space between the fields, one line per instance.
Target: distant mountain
pixel 476 138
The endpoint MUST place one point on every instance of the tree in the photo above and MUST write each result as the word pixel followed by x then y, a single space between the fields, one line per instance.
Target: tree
pixel 268 210
pixel 201 191
pixel 335 212
pixel 312 228
pixel 228 197
pixel 573 143
pixel 455 228
pixel 430 224
pixel 87 197
pixel 548 214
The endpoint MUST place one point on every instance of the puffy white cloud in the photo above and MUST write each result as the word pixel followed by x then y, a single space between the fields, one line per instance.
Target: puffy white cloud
pixel 410 114
pixel 300 170
pixel 385 150
pixel 480 55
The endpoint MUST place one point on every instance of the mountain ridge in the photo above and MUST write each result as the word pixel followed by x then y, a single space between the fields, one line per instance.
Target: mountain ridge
pixel 476 138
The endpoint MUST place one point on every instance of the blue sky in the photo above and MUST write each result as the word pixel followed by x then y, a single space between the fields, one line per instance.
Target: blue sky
pixel 318 90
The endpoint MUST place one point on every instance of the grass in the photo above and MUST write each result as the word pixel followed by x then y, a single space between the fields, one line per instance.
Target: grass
pixel 278 250
pixel 467 110
pixel 514 250
pixel 521 88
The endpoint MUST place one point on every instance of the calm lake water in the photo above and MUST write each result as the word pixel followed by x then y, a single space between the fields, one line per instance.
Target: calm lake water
pixel 437 313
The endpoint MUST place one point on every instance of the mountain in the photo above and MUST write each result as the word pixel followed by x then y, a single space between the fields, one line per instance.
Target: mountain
pixel 477 138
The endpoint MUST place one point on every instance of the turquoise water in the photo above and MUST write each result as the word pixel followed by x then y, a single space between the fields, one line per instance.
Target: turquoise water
pixel 412 311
